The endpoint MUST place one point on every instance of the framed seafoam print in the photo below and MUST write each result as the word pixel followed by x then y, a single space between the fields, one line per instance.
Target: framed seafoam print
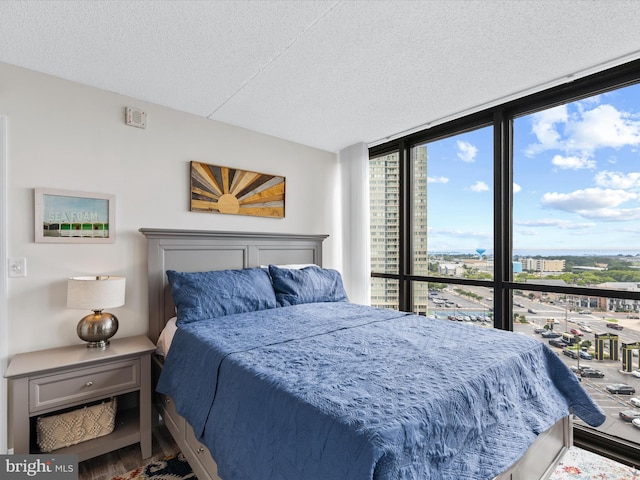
pixel 66 216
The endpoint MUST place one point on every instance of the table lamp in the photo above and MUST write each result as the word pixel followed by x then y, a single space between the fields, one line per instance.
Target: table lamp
pixel 96 293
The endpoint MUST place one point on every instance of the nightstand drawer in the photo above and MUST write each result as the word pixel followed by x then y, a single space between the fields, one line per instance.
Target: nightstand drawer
pixel 82 384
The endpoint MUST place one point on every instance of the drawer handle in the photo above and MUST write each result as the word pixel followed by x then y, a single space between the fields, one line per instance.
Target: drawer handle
pixel 88 384
pixel 200 449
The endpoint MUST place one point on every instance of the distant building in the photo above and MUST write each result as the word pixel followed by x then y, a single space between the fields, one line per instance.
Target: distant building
pixel 453 269
pixel 542 265
pixel 482 265
pixel 385 228
pixel 589 269
pixel 620 304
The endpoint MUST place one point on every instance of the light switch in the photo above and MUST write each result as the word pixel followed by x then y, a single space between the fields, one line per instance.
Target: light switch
pixel 18 267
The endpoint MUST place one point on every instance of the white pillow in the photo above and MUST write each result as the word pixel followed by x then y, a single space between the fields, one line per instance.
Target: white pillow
pixel 166 337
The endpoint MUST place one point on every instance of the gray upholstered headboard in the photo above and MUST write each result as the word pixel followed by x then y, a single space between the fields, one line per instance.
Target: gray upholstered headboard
pixel 197 250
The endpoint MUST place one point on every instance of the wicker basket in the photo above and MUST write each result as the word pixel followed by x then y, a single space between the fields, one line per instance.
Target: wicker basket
pixel 62 430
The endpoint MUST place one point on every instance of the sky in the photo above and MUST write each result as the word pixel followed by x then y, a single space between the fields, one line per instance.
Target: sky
pixel 62 208
pixel 576 180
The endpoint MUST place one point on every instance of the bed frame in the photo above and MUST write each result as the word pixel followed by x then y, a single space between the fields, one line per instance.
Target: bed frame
pixel 197 250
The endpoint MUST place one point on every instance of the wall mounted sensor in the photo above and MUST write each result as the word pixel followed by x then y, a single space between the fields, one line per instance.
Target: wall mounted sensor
pixel 135 117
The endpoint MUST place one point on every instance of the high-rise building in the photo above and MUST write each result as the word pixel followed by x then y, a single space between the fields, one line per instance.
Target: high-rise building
pixel 384 191
pixel 384 185
pixel 420 241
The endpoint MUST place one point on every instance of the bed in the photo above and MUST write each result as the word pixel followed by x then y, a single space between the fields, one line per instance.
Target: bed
pixel 322 388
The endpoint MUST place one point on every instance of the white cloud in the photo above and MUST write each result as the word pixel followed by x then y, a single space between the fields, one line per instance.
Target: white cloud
pixel 585 131
pixel 609 179
pixel 544 128
pixel 516 187
pixel 585 103
pixel 466 151
pixel 554 223
pixel 573 163
pixel 545 222
pixel 479 187
pixel 589 198
pixel 594 203
pixel 437 180
pixel 581 226
pixel 613 214
pixel 457 233
pixel 603 126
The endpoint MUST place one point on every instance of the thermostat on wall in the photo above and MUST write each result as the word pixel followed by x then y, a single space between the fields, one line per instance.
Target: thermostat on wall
pixel 135 117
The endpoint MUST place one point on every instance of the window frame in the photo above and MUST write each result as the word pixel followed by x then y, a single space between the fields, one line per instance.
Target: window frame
pixel 501 117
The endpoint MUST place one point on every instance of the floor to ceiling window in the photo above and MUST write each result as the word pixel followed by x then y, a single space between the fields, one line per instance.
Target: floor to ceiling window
pixel 452 222
pixel 384 188
pixel 526 217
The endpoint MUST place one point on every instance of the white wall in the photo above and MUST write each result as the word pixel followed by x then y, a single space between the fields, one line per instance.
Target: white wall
pixel 356 261
pixel 67 136
pixel 4 329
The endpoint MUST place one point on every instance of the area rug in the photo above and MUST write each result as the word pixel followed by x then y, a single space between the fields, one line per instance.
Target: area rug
pixel 174 467
pixel 579 464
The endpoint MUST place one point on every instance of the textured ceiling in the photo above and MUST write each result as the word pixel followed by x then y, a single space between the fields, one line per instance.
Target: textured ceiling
pixel 322 73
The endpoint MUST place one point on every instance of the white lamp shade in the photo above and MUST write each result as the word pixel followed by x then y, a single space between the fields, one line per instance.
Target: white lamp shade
pixel 95 293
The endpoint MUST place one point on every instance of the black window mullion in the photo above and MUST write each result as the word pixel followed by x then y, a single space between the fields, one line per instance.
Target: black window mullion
pixel 503 180
pixel 404 249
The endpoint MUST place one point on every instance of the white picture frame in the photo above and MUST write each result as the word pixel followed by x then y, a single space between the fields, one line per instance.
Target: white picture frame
pixel 67 216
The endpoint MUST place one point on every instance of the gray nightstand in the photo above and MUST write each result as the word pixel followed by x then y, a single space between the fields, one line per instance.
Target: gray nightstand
pixel 48 381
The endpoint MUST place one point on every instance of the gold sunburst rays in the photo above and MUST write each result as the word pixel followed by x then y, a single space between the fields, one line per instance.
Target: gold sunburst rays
pixel 217 189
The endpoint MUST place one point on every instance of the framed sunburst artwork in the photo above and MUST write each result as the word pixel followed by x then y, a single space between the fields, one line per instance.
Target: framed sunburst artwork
pixel 216 189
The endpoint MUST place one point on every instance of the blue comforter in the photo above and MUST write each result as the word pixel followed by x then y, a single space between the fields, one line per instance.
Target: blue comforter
pixel 341 391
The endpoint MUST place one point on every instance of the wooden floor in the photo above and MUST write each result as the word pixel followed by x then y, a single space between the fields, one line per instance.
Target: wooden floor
pixel 109 465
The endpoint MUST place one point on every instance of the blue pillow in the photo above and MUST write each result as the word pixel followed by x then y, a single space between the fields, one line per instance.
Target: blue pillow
pixel 204 295
pixel 307 285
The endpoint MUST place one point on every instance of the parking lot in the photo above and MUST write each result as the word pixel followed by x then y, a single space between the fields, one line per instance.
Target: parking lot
pixel 612 404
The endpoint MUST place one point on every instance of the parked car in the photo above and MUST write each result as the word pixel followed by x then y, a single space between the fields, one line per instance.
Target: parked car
pixel 621 388
pixel 585 355
pixel 575 331
pixel 531 310
pixel 591 373
pixel 550 334
pixel 570 353
pixel 629 415
pixel 615 326
pixel 554 342
pixel 636 373
pixel 635 401
pixel 636 422
pixel 586 328
pixel 539 330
